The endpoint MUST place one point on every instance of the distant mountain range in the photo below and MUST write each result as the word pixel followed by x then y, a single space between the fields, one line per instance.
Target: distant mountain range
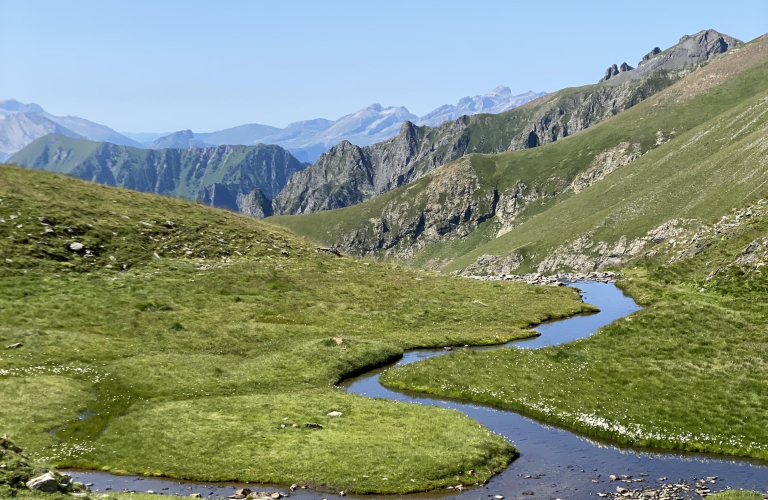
pixel 21 123
pixel 307 140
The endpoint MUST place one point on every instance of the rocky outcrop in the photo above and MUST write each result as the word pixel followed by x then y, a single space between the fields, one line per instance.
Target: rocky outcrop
pixel 451 206
pixel 346 174
pixel 604 163
pixel 690 50
pixel 255 204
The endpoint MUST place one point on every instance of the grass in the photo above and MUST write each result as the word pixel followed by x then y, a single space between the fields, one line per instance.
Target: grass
pixel 688 372
pixel 737 495
pixel 180 337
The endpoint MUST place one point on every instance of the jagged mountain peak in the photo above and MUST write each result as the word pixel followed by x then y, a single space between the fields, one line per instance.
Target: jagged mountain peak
pixel 691 49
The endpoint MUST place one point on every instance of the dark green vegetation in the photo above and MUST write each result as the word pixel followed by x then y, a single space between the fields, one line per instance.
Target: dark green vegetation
pixel 186 173
pixel 177 339
pixel 689 372
pixel 684 155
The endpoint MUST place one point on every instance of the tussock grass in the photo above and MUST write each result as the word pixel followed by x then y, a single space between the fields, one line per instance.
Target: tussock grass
pixel 185 364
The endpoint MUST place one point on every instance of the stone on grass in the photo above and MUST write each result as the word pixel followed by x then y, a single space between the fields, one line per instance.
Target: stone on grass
pixel 14 346
pixel 46 483
pixel 76 247
pixel 334 414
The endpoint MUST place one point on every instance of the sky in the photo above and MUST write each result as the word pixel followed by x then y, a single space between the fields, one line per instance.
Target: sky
pixel 166 65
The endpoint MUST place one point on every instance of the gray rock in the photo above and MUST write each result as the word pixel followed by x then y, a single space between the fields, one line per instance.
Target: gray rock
pixel 76 247
pixel 611 72
pixel 625 67
pixel 255 204
pixel 45 483
pixel 14 346
pixel 649 55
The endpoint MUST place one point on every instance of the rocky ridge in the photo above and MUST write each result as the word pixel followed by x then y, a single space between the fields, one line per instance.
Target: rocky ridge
pixel 347 174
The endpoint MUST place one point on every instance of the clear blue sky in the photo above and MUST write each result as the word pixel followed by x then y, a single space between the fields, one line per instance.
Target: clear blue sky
pixel 164 65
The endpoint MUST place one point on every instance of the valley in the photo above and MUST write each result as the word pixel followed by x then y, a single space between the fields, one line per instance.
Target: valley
pixel 550 295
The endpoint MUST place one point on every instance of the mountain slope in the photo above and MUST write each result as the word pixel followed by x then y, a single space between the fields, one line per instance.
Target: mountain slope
pixel 21 128
pixel 244 134
pixel 511 212
pixel 223 176
pixel 172 328
pixel 346 174
pixel 182 139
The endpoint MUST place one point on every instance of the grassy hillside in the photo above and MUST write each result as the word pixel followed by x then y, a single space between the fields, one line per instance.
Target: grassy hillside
pixel 699 144
pixel 690 371
pixel 163 337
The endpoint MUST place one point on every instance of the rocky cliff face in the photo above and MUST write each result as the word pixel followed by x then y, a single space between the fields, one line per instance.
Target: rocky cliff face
pixel 346 174
pixel 452 205
pixel 239 178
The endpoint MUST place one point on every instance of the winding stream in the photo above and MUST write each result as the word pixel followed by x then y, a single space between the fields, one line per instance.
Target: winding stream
pixel 561 463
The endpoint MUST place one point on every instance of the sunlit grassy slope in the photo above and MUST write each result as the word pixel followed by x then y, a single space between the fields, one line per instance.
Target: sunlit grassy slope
pixel 690 371
pixel 187 341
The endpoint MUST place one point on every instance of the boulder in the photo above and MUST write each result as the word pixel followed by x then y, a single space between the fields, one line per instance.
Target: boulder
pixel 76 247
pixel 46 483
pixel 334 414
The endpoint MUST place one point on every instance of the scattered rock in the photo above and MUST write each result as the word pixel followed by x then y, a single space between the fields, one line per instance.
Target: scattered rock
pixel 46 483
pixel 76 247
pixel 334 414
pixel 14 346
pixel 313 425
pixel 448 348
pixel 195 495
